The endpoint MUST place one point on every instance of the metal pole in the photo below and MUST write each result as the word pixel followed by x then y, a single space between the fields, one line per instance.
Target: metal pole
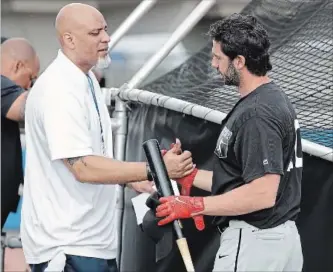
pixel 201 9
pixel 135 16
pixel 317 150
pixel 119 122
pixel 120 119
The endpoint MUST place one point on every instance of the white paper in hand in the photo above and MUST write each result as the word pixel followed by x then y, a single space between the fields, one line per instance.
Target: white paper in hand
pixel 139 203
pixel 140 207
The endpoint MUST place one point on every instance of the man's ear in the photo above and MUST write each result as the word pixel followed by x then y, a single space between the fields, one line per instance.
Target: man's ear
pixel 17 66
pixel 239 62
pixel 69 40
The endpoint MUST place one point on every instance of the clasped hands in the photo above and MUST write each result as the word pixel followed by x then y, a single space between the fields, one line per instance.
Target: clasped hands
pixel 179 166
pixel 183 206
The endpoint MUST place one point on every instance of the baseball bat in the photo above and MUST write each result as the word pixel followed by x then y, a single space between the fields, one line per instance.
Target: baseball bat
pixel 163 185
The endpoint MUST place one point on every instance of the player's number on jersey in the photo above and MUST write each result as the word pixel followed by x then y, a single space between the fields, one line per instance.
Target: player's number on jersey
pixel 297 149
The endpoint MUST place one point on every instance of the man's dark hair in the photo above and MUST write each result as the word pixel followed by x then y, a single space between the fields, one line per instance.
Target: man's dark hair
pixel 243 35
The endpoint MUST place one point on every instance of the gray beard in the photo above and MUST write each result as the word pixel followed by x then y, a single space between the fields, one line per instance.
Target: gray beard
pixel 103 63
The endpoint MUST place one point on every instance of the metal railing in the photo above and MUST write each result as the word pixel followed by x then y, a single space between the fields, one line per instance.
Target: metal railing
pixel 149 98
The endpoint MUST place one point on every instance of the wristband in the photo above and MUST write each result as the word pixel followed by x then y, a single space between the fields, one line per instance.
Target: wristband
pixel 149 174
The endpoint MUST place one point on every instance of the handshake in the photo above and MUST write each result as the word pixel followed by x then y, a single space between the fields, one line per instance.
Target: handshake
pixel 180 168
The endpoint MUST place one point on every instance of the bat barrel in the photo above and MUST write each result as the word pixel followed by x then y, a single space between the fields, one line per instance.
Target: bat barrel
pixel 157 167
pixel 160 175
pixel 163 184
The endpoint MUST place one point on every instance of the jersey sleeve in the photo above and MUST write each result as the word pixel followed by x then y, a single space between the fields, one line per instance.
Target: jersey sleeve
pixel 9 93
pixel 66 127
pixel 259 149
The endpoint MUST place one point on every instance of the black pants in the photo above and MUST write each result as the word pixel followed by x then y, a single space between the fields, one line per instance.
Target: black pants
pixel 4 214
pixel 9 200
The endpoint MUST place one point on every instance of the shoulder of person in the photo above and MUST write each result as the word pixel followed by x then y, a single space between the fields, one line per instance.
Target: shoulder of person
pixel 271 95
pixel 262 114
pixel 57 82
pixel 8 85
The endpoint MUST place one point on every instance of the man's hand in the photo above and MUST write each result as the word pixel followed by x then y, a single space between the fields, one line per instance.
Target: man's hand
pixel 186 182
pixel 178 207
pixel 142 186
pixel 27 268
pixel 178 165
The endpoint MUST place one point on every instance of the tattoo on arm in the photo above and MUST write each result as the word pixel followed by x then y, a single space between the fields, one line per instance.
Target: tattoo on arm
pixel 72 161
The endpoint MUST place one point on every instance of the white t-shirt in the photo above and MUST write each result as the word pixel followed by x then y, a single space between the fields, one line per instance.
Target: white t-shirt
pixel 59 213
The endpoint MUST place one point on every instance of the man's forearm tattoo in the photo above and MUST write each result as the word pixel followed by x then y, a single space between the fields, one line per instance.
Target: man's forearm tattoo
pixel 72 161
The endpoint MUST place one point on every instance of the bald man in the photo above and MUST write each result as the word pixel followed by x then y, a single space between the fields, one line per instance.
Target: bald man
pixel 19 67
pixel 69 206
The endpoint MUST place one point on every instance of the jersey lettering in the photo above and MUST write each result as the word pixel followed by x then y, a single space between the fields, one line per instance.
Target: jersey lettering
pixel 222 143
pixel 298 163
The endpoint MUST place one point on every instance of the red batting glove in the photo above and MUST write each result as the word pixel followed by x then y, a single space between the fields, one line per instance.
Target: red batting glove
pixel 178 207
pixel 187 182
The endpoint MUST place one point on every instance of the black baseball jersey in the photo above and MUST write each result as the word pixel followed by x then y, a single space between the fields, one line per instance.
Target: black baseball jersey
pixel 11 154
pixel 261 135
